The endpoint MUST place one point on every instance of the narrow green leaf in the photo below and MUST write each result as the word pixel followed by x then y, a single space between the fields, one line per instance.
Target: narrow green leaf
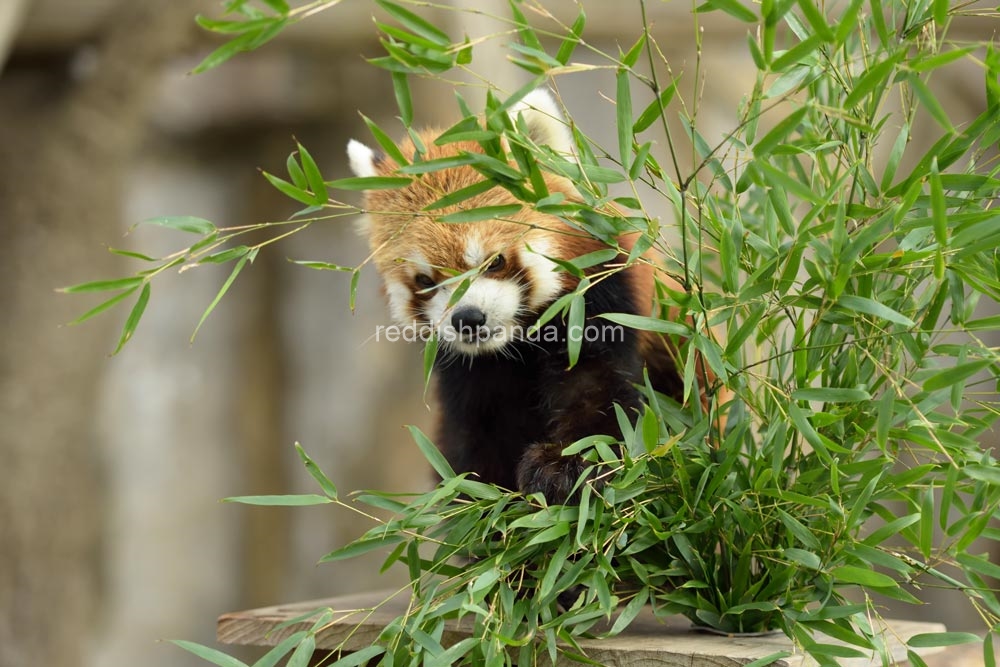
pixel 275 655
pixel 734 8
pixel 353 298
pixel 931 61
pixel 632 55
pixel 358 658
pixel 356 183
pixel 648 323
pixel 571 41
pixel 955 374
pixel 247 41
pixel 769 659
pixel 132 254
pixel 385 142
pixel 224 256
pixel 817 21
pixel 401 88
pixel 432 453
pixel 575 328
pixel 482 213
pixel 878 74
pixel 849 574
pixel 292 500
pixel 324 482
pixel 208 654
pixel 623 114
pixel 302 655
pixel 802 557
pixel 868 306
pixel 295 172
pixel 926 532
pixel 655 108
pixel 630 612
pixel 184 223
pixel 321 266
pixel 361 546
pixel 105 305
pixel 892 164
pixel 988 474
pixel 939 210
pixel 778 133
pixel 289 190
pixel 413 22
pixel 461 195
pixel 797 54
pixel 222 291
pixel 932 639
pixel 941 11
pixel 103 285
pixel 133 318
pixel 831 394
pixel 313 175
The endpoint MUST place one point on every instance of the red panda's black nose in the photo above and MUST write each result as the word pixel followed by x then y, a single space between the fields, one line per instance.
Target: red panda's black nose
pixel 468 318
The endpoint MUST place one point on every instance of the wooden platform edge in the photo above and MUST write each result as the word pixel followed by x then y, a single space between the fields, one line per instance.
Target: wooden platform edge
pixel 358 620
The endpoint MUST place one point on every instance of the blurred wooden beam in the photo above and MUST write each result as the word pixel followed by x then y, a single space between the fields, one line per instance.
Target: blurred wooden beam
pixel 12 14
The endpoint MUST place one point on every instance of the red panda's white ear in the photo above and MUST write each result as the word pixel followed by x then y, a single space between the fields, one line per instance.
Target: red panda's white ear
pixel 362 159
pixel 545 121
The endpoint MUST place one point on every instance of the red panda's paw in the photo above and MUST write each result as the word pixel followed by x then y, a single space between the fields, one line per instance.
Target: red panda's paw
pixel 544 469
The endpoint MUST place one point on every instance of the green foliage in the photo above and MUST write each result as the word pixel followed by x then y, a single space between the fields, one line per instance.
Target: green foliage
pixel 848 285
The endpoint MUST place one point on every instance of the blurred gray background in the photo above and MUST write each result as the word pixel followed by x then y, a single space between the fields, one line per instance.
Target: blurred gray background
pixel 111 468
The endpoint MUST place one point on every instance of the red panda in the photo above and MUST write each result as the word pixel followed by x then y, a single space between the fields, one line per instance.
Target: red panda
pixel 509 402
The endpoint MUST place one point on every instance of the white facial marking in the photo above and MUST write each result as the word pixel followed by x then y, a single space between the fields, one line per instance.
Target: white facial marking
pixel 420 264
pixel 475 253
pixel 361 158
pixel 400 297
pixel 546 283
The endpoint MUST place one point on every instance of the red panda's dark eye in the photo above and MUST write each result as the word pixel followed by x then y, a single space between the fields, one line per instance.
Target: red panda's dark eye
pixel 498 263
pixel 424 281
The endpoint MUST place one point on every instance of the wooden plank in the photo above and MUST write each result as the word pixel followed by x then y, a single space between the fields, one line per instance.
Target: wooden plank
pixel 648 642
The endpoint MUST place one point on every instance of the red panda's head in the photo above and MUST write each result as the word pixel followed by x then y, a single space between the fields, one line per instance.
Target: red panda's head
pixel 423 261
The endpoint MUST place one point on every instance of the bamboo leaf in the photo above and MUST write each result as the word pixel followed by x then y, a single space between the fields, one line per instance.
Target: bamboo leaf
pixel 104 285
pixel 385 142
pixel 432 453
pixel 413 22
pixel 861 304
pixel 850 574
pixel 655 109
pixel 183 223
pixel 291 500
pixel 482 213
pixel 225 288
pixel 831 394
pixel 875 76
pixel 289 190
pixel 734 8
pixel 623 113
pixel 777 135
pixel 208 654
pixel 648 323
pixel 105 305
pixel 932 639
pixel 955 374
pixel 133 318
pixel 401 88
pixel 575 330
pixel 324 482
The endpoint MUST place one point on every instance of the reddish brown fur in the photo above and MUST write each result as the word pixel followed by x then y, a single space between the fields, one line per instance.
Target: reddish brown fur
pixel 400 228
